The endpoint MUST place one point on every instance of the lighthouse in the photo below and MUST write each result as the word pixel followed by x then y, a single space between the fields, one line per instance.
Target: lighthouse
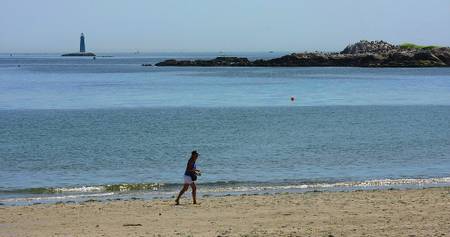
pixel 82 49
pixel 82 44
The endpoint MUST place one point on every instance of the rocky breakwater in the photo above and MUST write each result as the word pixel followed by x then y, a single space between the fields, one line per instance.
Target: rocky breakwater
pixel 81 54
pixel 217 62
pixel 361 54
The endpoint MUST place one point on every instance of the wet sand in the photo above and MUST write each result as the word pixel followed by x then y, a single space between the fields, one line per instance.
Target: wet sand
pixel 424 212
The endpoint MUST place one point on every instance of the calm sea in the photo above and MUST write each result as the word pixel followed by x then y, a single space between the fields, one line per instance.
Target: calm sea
pixel 73 129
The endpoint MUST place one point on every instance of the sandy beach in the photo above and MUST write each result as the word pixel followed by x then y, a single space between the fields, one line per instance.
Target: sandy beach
pixel 424 212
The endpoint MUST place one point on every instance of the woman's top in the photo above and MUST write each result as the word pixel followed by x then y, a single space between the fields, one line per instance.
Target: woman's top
pixel 188 171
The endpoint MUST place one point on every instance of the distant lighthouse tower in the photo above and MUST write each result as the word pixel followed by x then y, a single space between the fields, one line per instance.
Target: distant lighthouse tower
pixel 82 52
pixel 82 44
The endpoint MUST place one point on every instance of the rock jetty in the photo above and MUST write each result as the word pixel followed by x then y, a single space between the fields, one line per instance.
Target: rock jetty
pixel 361 54
pixel 84 54
pixel 217 62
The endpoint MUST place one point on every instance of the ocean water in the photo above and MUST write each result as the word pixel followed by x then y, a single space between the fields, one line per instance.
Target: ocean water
pixel 73 129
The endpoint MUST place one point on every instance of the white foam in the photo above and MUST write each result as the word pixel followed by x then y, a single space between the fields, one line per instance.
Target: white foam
pixel 81 189
pixel 34 199
pixel 368 183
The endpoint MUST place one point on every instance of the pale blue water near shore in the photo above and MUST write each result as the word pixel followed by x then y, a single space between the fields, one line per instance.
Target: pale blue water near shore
pixel 76 129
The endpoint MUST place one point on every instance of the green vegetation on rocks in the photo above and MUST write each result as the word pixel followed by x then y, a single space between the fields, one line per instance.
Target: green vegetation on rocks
pixel 415 46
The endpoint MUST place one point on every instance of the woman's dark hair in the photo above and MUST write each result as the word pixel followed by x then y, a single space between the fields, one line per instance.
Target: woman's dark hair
pixel 194 152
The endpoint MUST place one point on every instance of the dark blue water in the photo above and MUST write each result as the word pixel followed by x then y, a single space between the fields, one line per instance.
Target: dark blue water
pixel 109 127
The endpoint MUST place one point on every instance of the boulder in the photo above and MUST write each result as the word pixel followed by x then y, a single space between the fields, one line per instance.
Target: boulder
pixel 364 46
pixel 443 54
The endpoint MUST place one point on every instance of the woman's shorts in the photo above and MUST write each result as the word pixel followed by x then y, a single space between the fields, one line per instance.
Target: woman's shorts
pixel 188 179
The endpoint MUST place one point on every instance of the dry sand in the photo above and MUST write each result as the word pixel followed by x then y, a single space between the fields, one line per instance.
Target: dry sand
pixel 361 213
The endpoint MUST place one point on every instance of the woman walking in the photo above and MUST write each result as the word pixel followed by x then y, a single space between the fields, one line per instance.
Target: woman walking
pixel 190 176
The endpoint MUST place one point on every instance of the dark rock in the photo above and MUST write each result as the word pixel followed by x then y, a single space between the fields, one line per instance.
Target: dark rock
pixel 91 200
pixel 413 59
pixel 86 54
pixel 217 62
pixel 169 62
pixel 443 54
pixel 425 55
pixel 132 224
pixel 147 65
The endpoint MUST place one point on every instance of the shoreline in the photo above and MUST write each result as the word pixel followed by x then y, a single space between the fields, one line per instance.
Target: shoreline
pixel 151 191
pixel 354 213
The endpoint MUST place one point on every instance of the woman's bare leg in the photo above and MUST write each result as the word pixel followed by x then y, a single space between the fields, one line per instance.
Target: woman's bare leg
pixel 184 189
pixel 194 192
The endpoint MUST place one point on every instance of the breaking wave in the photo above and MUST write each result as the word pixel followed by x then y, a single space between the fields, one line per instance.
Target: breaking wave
pixel 231 186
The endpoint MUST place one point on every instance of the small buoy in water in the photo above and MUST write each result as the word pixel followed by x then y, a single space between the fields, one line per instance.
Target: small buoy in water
pixel 292 98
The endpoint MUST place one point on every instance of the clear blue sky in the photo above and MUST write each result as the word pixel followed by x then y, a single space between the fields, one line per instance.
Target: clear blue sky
pixel 210 25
